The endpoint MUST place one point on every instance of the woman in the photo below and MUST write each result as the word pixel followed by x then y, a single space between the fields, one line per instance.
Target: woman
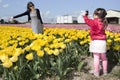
pixel 34 16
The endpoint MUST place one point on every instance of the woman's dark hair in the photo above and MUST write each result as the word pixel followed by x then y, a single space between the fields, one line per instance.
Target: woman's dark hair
pixel 100 12
pixel 28 5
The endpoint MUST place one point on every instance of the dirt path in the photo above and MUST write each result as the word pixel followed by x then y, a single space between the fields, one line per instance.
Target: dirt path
pixel 113 72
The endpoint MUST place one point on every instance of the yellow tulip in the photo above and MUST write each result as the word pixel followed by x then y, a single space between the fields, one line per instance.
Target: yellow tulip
pixel 18 51
pixel 27 48
pixel 68 40
pixel 62 45
pixel 7 64
pixel 46 49
pixel 109 41
pixel 3 57
pixel 14 58
pixel 40 53
pixel 29 56
pixel 56 52
pixel 81 42
pixel 116 47
pixel 117 40
pixel 21 43
pixel 50 52
pixel 20 39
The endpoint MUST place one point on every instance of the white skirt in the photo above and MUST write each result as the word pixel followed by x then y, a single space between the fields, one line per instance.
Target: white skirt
pixel 98 46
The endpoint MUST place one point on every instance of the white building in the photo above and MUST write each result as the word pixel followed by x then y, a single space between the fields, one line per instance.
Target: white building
pixel 80 19
pixel 66 19
pixel 113 16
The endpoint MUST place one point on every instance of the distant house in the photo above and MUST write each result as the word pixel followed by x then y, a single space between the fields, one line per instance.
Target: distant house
pixel 113 16
pixel 66 19
pixel 80 19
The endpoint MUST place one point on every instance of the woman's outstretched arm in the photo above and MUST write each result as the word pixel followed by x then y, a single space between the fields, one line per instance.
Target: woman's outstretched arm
pixel 22 14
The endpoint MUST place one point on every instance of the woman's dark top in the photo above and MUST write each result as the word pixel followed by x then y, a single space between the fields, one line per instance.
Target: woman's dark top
pixel 28 13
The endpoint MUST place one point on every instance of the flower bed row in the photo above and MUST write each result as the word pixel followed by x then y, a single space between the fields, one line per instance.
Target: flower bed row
pixel 28 56
pixel 111 27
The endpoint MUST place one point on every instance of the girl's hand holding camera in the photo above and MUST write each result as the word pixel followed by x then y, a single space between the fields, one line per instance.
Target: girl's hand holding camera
pixel 85 13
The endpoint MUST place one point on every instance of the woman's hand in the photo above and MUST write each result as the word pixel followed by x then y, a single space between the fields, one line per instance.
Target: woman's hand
pixel 11 18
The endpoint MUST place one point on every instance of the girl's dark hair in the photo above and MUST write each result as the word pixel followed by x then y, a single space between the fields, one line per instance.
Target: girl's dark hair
pixel 28 5
pixel 100 12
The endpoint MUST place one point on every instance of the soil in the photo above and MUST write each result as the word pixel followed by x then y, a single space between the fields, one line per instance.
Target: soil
pixel 113 72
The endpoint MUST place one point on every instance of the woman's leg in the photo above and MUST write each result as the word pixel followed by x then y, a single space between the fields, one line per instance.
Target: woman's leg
pixel 104 62
pixel 96 62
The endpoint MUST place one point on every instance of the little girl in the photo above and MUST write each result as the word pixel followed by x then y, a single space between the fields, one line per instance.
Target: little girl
pixel 98 39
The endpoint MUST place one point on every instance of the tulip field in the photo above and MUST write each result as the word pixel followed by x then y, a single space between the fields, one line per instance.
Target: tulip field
pixel 28 56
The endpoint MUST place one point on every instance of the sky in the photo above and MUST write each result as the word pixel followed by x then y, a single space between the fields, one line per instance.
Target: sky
pixel 49 9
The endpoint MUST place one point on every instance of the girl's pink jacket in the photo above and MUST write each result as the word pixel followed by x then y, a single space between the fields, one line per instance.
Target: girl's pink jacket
pixel 97 31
